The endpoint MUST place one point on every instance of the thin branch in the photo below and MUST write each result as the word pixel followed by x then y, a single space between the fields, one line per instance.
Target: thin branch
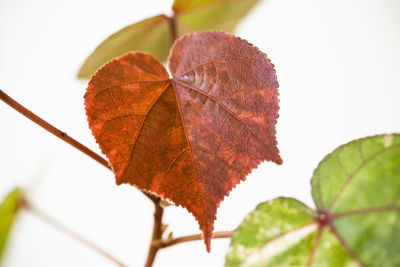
pixel 50 128
pixel 175 241
pixel 54 223
pixel 157 232
pixel 173 28
pixel 60 134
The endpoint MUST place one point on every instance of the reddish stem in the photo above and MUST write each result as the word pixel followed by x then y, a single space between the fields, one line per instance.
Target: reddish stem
pixel 173 28
pixel 175 241
pixel 50 128
pixel 60 134
pixel 157 232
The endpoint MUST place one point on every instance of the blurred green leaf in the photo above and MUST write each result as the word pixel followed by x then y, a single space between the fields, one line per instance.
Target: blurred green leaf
pixel 356 189
pixel 8 209
pixel 202 15
pixel 153 35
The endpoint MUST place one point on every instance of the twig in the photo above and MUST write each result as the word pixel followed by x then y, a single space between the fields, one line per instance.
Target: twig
pixel 157 232
pixel 158 209
pixel 188 238
pixel 52 222
pixel 60 134
pixel 50 128
pixel 173 28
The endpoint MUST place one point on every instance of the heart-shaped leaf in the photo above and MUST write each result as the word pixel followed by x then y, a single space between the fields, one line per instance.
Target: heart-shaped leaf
pixel 191 138
pixel 8 209
pixel 154 36
pixel 357 192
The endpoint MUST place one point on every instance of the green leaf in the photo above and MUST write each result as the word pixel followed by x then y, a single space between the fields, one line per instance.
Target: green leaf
pixel 271 221
pixel 356 189
pixel 151 36
pixel 8 209
pixel 201 15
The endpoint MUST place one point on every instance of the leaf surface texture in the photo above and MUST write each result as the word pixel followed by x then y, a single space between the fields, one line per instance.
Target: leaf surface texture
pixel 193 137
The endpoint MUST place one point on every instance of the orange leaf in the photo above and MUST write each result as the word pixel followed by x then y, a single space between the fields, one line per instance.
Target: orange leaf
pixel 194 137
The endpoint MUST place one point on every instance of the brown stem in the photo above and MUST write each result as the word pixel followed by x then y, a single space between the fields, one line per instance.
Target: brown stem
pixel 158 209
pixel 157 232
pixel 52 222
pixel 50 128
pixel 60 134
pixel 188 238
pixel 173 28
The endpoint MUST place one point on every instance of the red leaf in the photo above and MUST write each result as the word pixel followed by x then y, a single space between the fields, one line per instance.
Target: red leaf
pixel 191 138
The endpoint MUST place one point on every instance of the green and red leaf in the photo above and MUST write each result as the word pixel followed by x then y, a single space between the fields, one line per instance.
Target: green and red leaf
pixel 356 189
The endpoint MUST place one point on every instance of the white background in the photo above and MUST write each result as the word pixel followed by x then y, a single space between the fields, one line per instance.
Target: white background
pixel 338 65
